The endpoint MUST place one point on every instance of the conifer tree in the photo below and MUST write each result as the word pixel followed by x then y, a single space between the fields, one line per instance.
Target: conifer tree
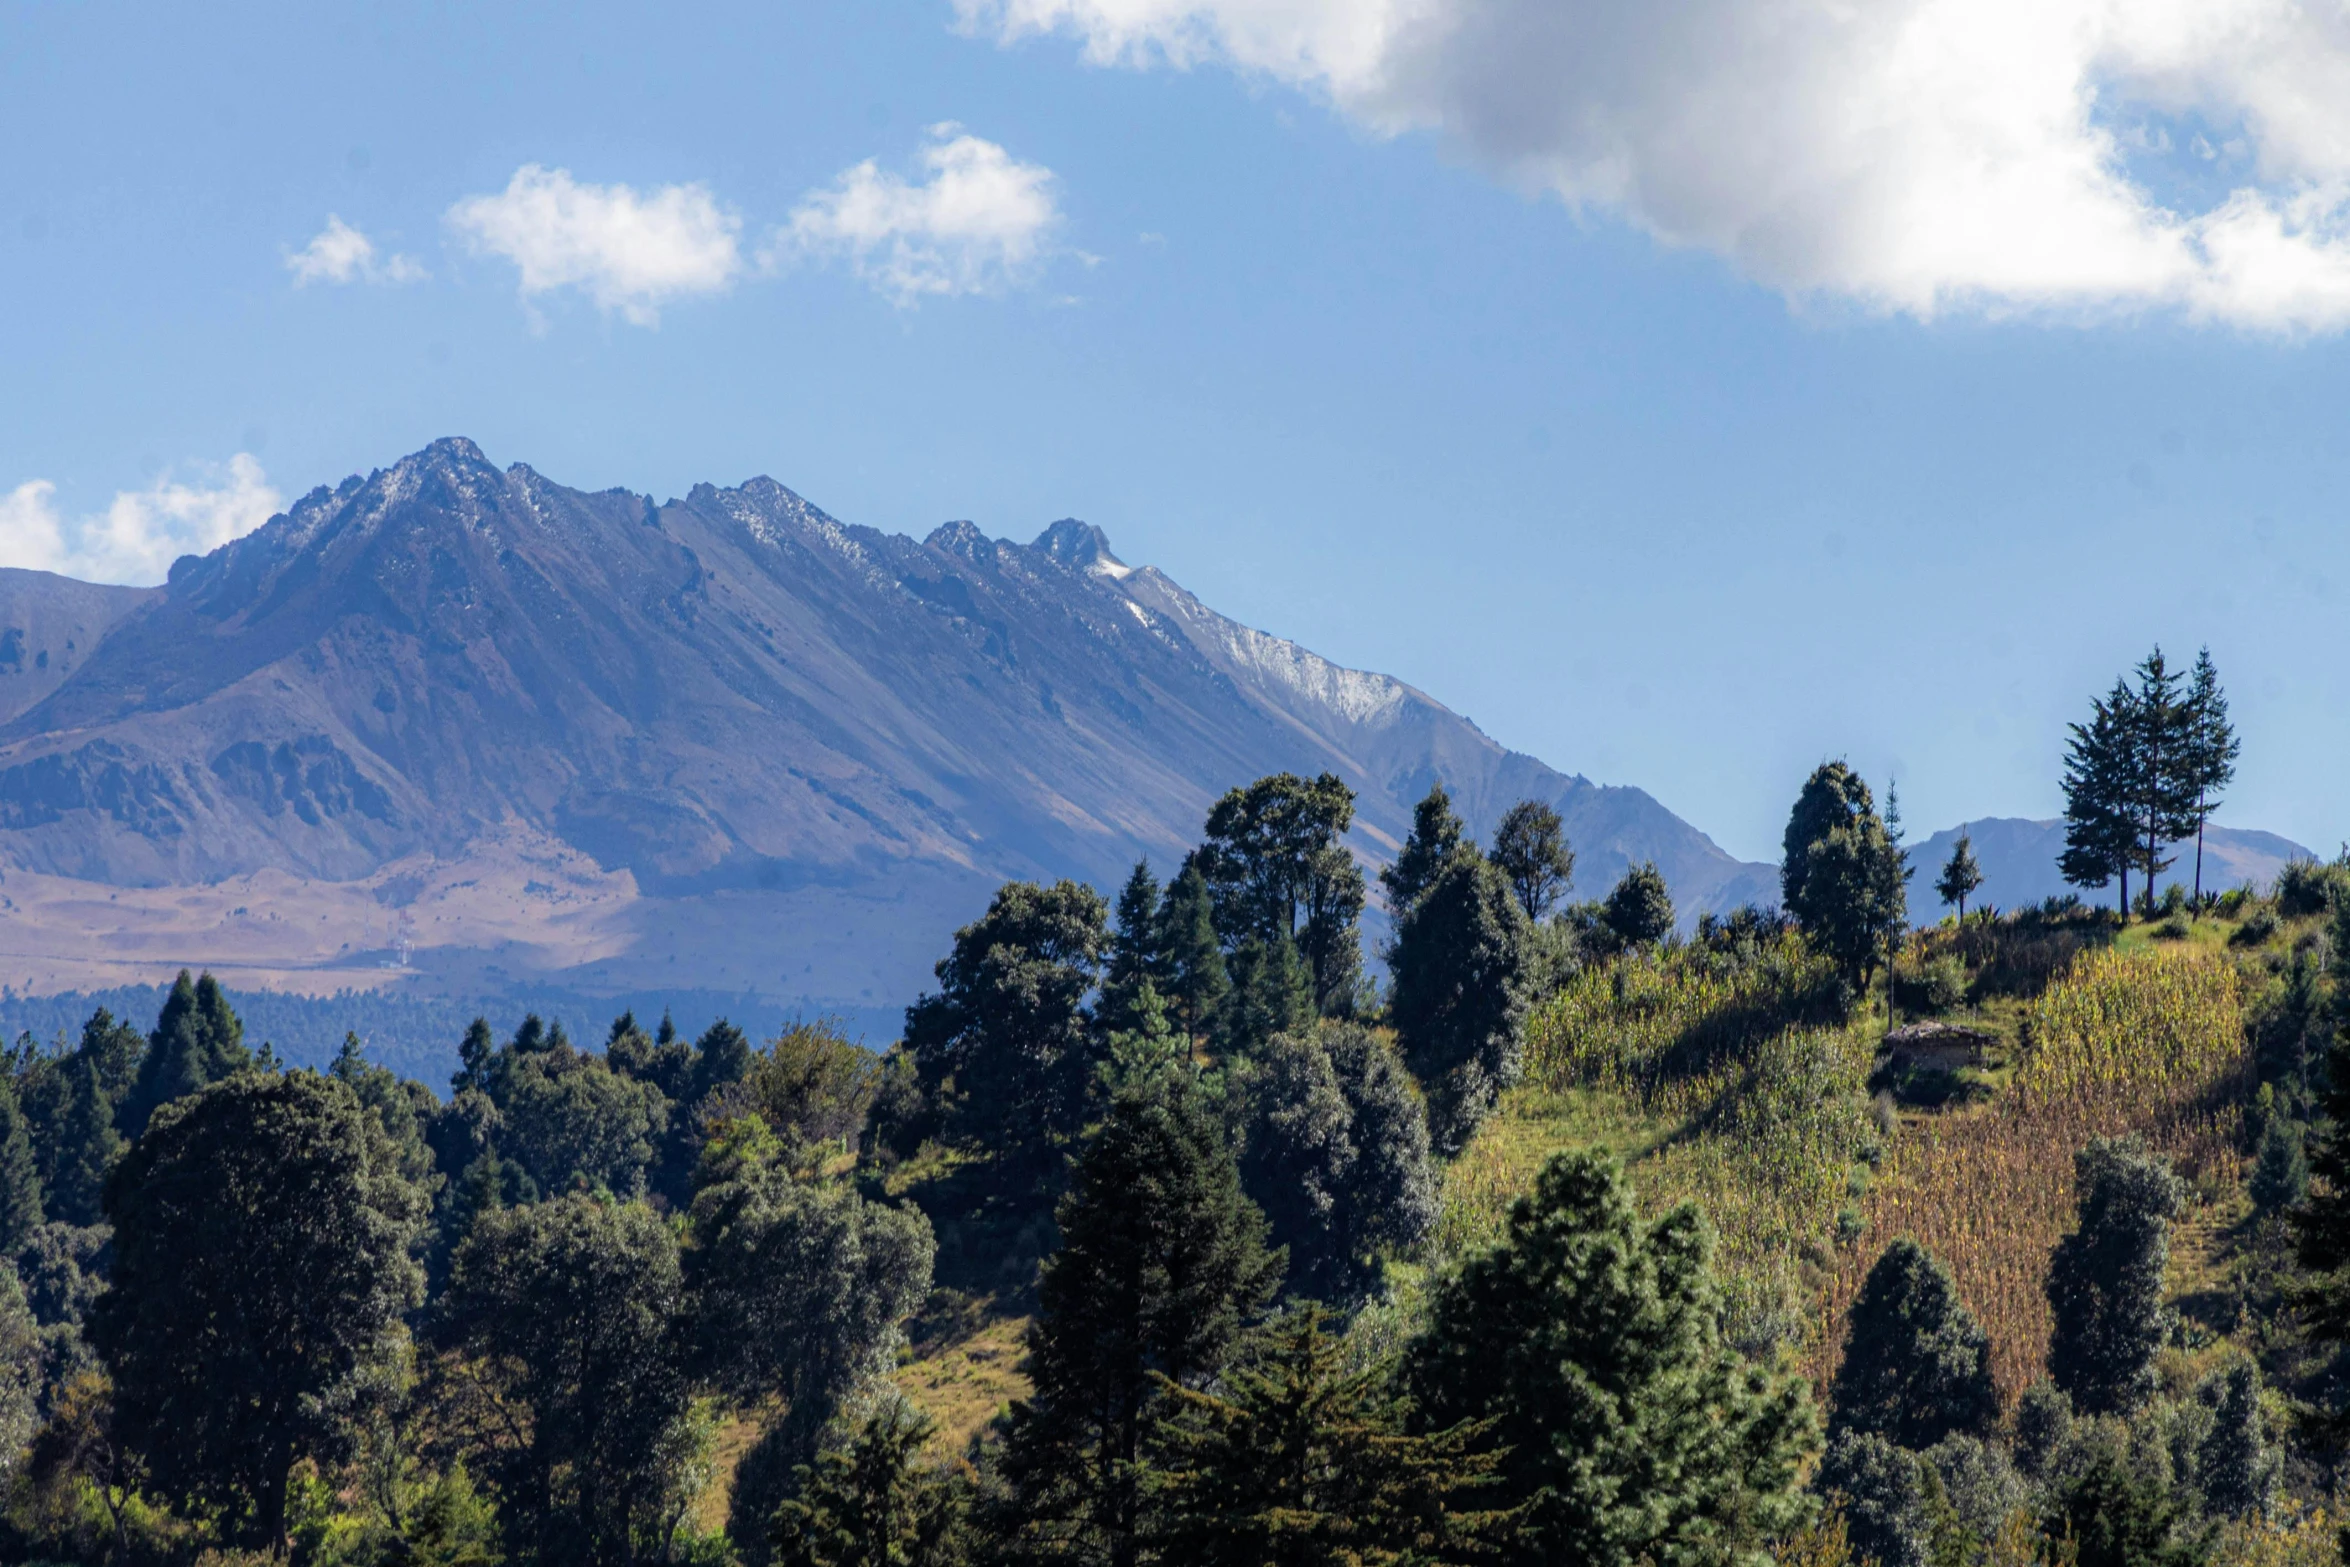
pixel 2321 1226
pixel 87 1148
pixel 1294 1462
pixel 1530 847
pixel 1135 956
pixel 198 1040
pixel 1436 833
pixel 1875 1486
pixel 1272 993
pixel 2100 765
pixel 876 1502
pixel 1917 1367
pixel 1830 798
pixel 1161 1266
pixel 1961 876
pixel 1846 883
pixel 1274 861
pixel 2166 788
pixel 1592 1339
pixel 20 1175
pixel 2105 1281
pixel 1197 981
pixel 2233 1464
pixel 2212 749
pixel 1459 995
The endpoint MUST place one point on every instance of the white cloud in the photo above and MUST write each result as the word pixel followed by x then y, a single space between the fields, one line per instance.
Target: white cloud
pixel 1915 155
pixel 339 253
pixel 981 222
pixel 136 539
pixel 627 252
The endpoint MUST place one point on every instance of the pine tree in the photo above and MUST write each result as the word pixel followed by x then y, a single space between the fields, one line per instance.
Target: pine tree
pixel 1961 876
pixel 20 1174
pixel 2100 766
pixel 197 1041
pixel 1639 909
pixel 2321 1226
pixel 1530 847
pixel 1830 798
pixel 1294 1462
pixel 2114 1515
pixel 2280 1165
pixel 1630 1430
pixel 1272 993
pixel 1436 833
pixel 87 1148
pixel 2233 1464
pixel 874 1503
pixel 1875 1487
pixel 1275 864
pixel 2166 792
pixel 1459 995
pixel 1917 1367
pixel 1135 956
pixel 1846 883
pixel 2105 1281
pixel 1162 1264
pixel 2212 749
pixel 1197 982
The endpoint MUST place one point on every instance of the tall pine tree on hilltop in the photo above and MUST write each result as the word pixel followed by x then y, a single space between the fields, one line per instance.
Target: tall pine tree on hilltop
pixel 198 1040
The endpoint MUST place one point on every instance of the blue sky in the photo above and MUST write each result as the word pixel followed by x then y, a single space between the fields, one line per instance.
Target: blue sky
pixel 1672 468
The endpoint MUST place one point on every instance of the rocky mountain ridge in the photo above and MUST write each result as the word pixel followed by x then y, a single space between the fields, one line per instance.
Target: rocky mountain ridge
pixel 729 722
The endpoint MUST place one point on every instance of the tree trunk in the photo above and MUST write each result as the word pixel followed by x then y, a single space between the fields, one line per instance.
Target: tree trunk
pixel 2202 810
pixel 2125 892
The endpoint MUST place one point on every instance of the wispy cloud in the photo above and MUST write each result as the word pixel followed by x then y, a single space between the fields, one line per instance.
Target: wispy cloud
pixel 980 221
pixel 1921 156
pixel 135 539
pixel 339 253
pixel 627 251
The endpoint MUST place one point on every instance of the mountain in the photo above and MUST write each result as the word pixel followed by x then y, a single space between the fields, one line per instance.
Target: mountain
pixel 471 721
pixel 2019 856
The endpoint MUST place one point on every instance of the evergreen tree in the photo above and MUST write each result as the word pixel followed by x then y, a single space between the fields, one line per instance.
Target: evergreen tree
pixel 1336 1153
pixel 1639 909
pixel 1161 1265
pixel 2321 1226
pixel 474 1053
pixel 1196 982
pixel 197 1041
pixel 87 1147
pixel 2100 768
pixel 261 1267
pixel 2112 1515
pixel 2166 792
pixel 1875 1486
pixel 20 1175
pixel 1436 833
pixel 2105 1281
pixel 1630 1431
pixel 1847 885
pixel 1961 876
pixel 1530 849
pixel 1274 863
pixel 797 1289
pixel 21 1357
pixel 1917 1367
pixel 1005 1041
pixel 1459 993
pixel 2233 1464
pixel 2211 750
pixel 1135 956
pixel 1272 993
pixel 2280 1165
pixel 569 1312
pixel 874 1502
pixel 1294 1462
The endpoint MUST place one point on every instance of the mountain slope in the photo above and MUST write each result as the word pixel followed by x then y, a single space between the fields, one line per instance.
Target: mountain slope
pixel 725 739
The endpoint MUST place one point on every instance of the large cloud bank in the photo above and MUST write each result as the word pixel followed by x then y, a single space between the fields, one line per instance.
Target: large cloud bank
pixel 1922 156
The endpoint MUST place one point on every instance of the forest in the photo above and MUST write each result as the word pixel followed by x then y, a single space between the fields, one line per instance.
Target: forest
pixel 1173 1231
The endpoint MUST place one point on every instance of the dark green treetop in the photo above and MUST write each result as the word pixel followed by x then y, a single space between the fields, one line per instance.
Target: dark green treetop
pixel 1638 911
pixel 1917 1366
pixel 197 1040
pixel 262 1232
pixel 1593 1341
pixel 1436 833
pixel 1196 981
pixel 1960 876
pixel 1162 1264
pixel 1459 994
pixel 1531 850
pixel 1274 863
pixel 2105 1281
pixel 1136 957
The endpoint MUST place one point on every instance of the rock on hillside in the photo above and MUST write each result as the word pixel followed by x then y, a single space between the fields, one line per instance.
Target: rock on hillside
pixel 726 697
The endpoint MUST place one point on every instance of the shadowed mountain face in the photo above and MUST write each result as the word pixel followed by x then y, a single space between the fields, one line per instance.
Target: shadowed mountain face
pixel 721 696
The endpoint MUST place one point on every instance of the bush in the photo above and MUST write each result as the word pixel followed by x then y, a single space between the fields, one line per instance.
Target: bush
pixel 2255 931
pixel 1938 985
pixel 2306 887
pixel 2230 904
pixel 2175 928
